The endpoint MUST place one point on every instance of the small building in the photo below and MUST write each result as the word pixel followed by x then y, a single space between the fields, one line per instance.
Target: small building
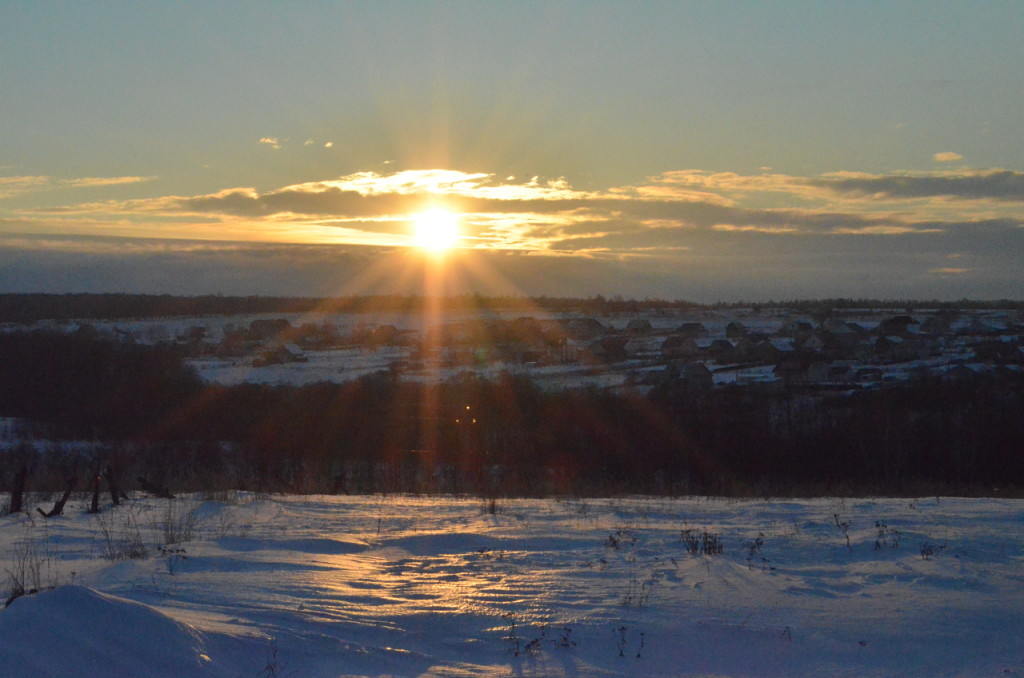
pixel 896 326
pixel 639 326
pixel 279 354
pixel 766 351
pixel 735 330
pixel 613 347
pixel 978 328
pixel 584 328
pixel 265 329
pixel 899 349
pixel 797 372
pixel 837 326
pixel 796 328
pixel 679 346
pixel 813 343
pixel 691 376
pixel 384 335
pixel 692 331
pixel 720 347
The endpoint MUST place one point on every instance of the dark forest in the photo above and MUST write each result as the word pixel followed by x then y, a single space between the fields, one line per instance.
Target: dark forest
pixel 146 416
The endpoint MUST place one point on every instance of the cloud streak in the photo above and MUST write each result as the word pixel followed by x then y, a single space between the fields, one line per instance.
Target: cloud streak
pixel 999 184
pixel 947 156
pixel 676 223
pixel 19 185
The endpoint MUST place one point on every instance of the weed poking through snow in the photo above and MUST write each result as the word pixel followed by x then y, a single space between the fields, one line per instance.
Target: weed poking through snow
pixel 928 550
pixel 179 523
pixel 886 538
pixel 31 573
pixel 638 592
pixel 704 544
pixel 621 538
pixel 844 528
pixel 274 667
pixel 173 557
pixel 124 541
pixel 621 642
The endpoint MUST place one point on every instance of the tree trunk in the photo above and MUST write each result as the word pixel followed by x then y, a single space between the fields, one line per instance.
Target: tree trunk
pixel 94 507
pixel 155 490
pixel 112 485
pixel 58 508
pixel 18 491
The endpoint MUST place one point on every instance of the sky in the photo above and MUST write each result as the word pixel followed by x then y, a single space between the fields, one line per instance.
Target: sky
pixel 707 151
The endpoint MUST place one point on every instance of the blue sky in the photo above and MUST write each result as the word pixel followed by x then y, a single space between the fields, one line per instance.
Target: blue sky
pixel 685 150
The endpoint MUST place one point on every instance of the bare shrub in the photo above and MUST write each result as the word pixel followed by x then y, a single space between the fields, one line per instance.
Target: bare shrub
pixel 178 523
pixel 703 544
pixel 31 571
pixel 887 537
pixel 122 539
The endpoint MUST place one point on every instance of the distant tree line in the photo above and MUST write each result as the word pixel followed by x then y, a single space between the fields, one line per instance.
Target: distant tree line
pixel 827 306
pixel 27 308
pixel 145 416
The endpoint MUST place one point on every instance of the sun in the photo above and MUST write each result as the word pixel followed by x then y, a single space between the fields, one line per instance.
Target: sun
pixel 436 230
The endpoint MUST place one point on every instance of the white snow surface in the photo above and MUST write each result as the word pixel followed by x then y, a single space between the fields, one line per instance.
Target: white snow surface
pixel 437 586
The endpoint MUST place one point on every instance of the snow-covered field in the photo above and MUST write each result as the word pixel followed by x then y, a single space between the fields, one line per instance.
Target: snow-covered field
pixel 413 586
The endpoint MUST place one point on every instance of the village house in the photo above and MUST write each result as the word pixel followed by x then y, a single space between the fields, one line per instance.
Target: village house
pixel 897 326
pixel 234 344
pixel 692 331
pixel 896 349
pixel 265 329
pixel 812 343
pixel 797 329
pixel 769 351
pixel 937 324
pixel 383 335
pixel 639 326
pixel 584 328
pixel 836 326
pixel 799 372
pixel 692 376
pixel 279 354
pixel 610 349
pixel 735 330
pixel 679 346
pixel 719 348
pixel 978 328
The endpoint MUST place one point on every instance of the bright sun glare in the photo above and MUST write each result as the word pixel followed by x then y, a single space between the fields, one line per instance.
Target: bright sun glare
pixel 436 230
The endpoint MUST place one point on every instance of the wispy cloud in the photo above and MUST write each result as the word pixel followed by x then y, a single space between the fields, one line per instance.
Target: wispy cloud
pixel 947 156
pixel 684 210
pixel 732 228
pixel 885 230
pixel 12 186
pixel 999 184
pixel 964 184
pixel 103 181
pixel 271 141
